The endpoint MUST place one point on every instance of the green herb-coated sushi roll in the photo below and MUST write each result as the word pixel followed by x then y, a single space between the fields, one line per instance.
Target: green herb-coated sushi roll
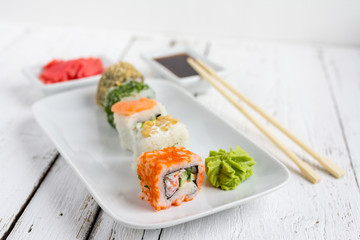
pixel 126 92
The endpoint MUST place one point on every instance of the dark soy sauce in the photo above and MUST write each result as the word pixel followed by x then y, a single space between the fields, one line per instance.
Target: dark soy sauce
pixel 177 64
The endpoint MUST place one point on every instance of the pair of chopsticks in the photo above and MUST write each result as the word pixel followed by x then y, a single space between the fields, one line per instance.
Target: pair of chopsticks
pixel 220 84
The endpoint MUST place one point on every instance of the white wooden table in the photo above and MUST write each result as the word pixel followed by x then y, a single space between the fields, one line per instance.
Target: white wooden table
pixel 313 90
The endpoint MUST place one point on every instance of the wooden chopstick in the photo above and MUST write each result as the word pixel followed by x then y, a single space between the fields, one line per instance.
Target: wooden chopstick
pixel 330 166
pixel 305 169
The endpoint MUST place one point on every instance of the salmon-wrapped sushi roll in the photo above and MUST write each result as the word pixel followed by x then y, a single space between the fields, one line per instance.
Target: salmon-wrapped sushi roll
pixel 169 176
pixel 157 134
pixel 127 114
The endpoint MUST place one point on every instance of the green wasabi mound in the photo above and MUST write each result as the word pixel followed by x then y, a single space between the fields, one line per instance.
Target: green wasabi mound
pixel 226 170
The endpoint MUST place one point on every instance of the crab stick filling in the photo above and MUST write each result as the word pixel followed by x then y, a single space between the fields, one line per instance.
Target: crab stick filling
pixel 181 182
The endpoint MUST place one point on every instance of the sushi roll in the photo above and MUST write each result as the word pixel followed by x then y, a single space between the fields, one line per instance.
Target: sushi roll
pixel 164 131
pixel 126 92
pixel 114 76
pixel 169 176
pixel 127 114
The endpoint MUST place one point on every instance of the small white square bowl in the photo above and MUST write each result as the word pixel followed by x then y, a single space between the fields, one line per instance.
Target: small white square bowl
pixel 33 72
pixel 194 84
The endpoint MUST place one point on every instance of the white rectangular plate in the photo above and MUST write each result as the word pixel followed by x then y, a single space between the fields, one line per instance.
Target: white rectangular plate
pixel 91 147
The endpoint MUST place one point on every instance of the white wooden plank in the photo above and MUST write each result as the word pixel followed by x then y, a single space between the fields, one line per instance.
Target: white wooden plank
pixel 342 66
pixel 106 228
pixel 26 153
pixel 144 44
pixel 260 64
pixel 119 227
pixel 152 234
pixel 62 208
pixel 274 76
pixel 200 45
pixel 10 34
pixel 287 81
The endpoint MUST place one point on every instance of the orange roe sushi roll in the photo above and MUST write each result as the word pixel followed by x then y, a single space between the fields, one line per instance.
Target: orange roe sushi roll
pixel 169 176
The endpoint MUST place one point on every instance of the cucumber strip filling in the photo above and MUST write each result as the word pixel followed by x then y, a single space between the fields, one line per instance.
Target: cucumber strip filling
pixel 183 179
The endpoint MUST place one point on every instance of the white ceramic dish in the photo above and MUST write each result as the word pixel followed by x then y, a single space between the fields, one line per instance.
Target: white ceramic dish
pixel 194 84
pixel 33 73
pixel 91 147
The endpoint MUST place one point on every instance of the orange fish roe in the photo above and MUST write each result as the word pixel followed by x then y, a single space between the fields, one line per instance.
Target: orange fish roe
pixel 153 166
pixel 128 108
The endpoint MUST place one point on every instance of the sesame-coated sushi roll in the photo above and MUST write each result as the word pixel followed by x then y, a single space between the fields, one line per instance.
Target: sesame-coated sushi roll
pixel 169 176
pixel 164 131
pixel 114 76
pixel 127 114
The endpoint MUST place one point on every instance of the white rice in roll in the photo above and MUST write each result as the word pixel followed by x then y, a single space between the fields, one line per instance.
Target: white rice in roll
pixel 127 114
pixel 158 134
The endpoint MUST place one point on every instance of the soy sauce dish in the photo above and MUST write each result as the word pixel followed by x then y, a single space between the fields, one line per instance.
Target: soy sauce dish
pixel 171 64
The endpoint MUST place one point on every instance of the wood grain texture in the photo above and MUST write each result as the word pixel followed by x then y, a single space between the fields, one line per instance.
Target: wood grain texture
pixel 312 91
pixel 106 228
pixel 289 82
pixel 342 68
pixel 144 44
pixel 61 201
pixel 26 152
pixel 10 35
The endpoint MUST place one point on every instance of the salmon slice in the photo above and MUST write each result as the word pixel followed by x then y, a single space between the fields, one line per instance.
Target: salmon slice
pixel 128 108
